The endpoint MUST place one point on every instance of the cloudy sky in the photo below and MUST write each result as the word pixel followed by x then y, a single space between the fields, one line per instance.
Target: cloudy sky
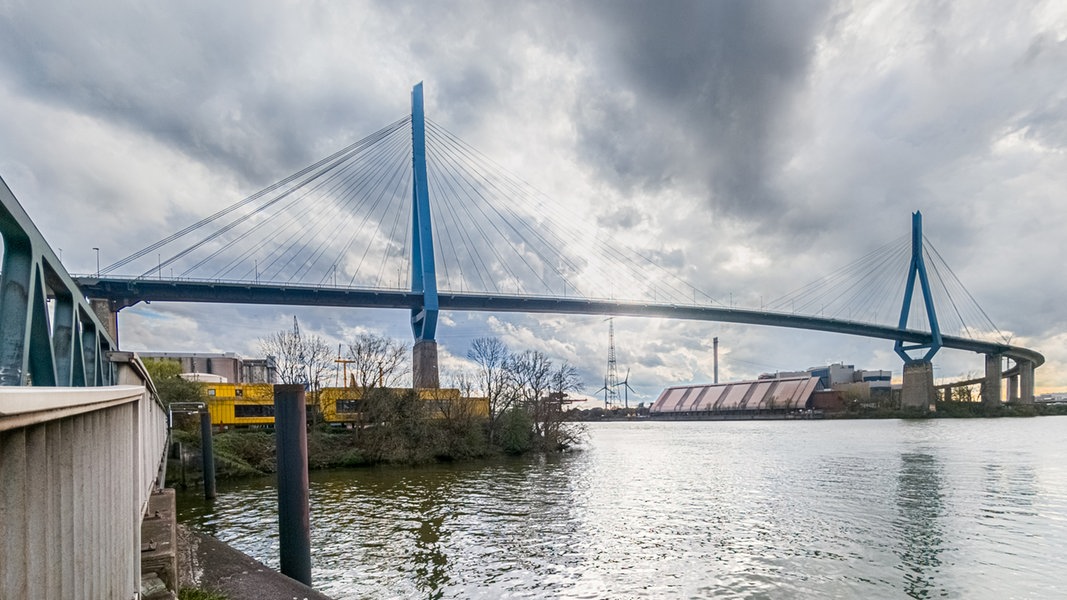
pixel 759 145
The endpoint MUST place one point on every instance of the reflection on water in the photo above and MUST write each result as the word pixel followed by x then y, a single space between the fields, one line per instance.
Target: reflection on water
pixel 920 505
pixel 693 510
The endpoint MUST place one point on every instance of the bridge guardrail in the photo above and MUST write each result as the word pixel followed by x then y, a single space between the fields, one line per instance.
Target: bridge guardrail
pixel 77 466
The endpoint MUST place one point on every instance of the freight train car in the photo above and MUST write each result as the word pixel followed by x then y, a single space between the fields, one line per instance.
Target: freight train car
pixel 346 405
pixel 248 404
pixel 240 404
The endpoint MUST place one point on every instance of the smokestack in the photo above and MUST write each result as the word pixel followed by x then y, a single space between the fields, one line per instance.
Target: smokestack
pixel 715 345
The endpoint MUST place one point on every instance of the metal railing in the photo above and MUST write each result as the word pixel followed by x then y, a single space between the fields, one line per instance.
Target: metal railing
pixel 77 466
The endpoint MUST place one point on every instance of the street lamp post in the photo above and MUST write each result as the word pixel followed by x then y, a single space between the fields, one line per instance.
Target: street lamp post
pixel 97 250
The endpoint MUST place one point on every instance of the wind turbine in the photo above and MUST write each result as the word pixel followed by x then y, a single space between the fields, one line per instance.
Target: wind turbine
pixel 604 389
pixel 626 387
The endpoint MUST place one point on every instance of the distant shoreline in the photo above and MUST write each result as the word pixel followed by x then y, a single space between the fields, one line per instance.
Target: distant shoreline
pixel 945 410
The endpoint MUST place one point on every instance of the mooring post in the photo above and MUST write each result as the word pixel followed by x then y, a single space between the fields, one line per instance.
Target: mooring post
pixel 207 451
pixel 294 528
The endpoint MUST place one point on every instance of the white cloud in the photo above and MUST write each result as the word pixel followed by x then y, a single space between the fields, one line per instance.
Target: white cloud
pixel 751 166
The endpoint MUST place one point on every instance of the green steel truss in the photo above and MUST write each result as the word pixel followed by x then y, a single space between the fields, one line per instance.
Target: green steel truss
pixel 49 334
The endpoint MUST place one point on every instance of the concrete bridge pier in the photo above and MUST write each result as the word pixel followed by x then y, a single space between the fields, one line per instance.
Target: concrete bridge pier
pixel 918 390
pixel 1013 388
pixel 991 386
pixel 424 365
pixel 108 316
pixel 1026 382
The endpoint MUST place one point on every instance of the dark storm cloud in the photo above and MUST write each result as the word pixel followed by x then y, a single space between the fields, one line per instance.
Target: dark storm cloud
pixel 201 79
pixel 757 145
pixel 696 92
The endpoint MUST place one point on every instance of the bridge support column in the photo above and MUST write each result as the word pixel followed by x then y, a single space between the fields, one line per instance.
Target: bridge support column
pixel 991 386
pixel 1026 382
pixel 1013 388
pixel 918 389
pixel 108 317
pixel 424 364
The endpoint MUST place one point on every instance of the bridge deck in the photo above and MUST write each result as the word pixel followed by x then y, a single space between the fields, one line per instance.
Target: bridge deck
pixel 124 292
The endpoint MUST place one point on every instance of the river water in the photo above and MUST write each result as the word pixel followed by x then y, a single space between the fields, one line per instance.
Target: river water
pixel 773 509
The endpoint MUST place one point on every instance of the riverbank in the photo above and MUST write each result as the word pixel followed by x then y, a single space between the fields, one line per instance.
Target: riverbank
pixel 253 453
pixel 956 410
pixel 205 563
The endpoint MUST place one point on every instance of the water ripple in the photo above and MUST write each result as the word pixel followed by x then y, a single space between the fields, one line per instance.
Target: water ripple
pixel 694 510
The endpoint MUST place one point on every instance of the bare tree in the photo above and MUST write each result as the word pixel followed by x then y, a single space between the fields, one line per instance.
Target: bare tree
pixel 300 359
pixel 319 360
pixel 490 357
pixel 454 405
pixel 530 377
pixel 377 361
pixel 558 433
pixel 287 350
pixel 565 380
pixel 462 381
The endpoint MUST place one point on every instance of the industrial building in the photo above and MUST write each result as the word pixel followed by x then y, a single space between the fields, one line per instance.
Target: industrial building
pixel 232 367
pixel 855 383
pixel 744 399
pixel 776 395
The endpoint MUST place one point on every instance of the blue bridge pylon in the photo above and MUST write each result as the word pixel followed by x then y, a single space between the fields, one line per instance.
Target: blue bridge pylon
pixel 917 270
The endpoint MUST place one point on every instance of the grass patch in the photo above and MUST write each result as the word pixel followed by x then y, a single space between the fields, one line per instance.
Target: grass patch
pixel 199 594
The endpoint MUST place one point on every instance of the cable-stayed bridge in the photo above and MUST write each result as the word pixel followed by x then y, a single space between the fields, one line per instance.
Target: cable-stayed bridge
pixel 412 217
pixel 459 232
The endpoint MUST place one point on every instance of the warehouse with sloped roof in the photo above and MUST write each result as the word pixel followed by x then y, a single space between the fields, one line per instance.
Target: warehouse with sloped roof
pixel 763 396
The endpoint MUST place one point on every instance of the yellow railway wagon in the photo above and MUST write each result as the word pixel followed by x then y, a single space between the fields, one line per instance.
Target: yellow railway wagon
pixel 345 405
pixel 245 404
pixel 240 404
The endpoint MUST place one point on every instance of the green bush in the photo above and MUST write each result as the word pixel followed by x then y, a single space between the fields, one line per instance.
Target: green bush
pixel 255 449
pixel 516 432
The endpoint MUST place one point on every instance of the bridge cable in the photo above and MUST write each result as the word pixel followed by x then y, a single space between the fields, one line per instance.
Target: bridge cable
pixel 479 261
pixel 480 171
pixel 333 174
pixel 459 185
pixel 511 224
pixel 338 178
pixel 509 179
pixel 379 178
pixel 399 218
pixel 959 283
pixel 452 176
pixel 612 254
pixel 258 210
pixel 454 180
pixel 400 176
pixel 333 157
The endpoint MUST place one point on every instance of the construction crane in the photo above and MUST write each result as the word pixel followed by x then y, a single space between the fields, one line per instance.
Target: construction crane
pixel 301 359
pixel 344 362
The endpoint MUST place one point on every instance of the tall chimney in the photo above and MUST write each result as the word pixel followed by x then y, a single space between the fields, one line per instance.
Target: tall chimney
pixel 715 345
